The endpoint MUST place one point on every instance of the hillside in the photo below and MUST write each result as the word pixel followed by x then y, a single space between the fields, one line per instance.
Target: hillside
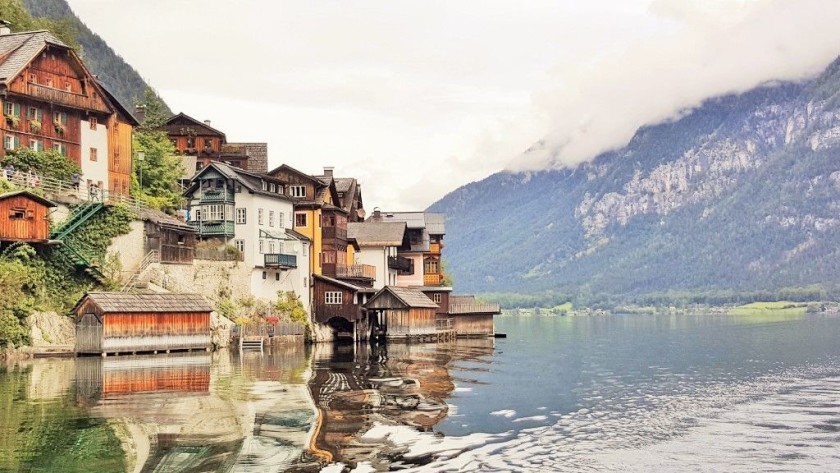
pixel 740 194
pixel 120 78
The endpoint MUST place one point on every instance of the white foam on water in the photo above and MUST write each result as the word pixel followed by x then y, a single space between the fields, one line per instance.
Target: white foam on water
pixel 531 419
pixel 504 413
pixel 463 390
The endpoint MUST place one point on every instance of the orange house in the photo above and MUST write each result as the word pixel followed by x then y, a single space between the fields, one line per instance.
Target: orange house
pixel 23 217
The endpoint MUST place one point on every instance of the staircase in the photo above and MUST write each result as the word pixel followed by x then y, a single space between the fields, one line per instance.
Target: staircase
pixel 70 255
pixel 150 258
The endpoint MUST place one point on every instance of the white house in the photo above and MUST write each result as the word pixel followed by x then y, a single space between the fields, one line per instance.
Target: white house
pixel 251 212
pixel 378 244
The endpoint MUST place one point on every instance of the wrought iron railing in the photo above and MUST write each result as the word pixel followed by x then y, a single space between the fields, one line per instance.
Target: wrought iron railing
pixel 280 260
pixel 355 271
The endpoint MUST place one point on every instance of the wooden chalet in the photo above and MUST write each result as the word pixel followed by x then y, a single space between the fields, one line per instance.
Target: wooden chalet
pixel 51 101
pixel 402 313
pixel 24 217
pixel 471 318
pixel 172 239
pixel 109 322
pixel 340 304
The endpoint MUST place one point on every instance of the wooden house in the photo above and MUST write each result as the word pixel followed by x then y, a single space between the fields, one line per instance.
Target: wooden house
pixel 51 101
pixel 23 217
pixel 402 313
pixel 173 239
pixel 340 304
pixel 471 318
pixel 108 322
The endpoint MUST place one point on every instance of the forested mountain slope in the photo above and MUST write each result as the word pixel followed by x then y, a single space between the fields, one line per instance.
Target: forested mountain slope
pixel 742 193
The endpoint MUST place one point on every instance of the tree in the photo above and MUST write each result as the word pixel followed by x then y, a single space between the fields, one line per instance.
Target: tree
pixel 48 163
pixel 289 305
pixel 160 169
pixel 155 112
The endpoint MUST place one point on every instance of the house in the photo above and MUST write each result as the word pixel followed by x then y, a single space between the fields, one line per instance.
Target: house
pixel 425 236
pixel 172 239
pixel 378 244
pixel 117 322
pixel 471 318
pixel 401 313
pixel 199 144
pixel 340 305
pixel 24 217
pixel 51 101
pixel 251 212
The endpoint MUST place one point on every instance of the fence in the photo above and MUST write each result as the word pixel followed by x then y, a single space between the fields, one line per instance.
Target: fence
pixel 82 192
pixel 268 330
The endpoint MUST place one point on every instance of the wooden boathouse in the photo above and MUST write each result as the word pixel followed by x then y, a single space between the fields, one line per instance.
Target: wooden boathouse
pixel 116 322
pixel 471 318
pixel 24 217
pixel 402 313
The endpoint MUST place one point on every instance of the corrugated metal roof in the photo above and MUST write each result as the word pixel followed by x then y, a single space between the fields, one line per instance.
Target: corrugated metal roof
pixel 19 49
pixel 126 302
pixel 345 284
pixel 372 233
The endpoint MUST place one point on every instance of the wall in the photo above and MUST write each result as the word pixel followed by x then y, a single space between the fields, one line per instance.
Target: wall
pixel 415 279
pixel 130 248
pixel 289 280
pixel 378 258
pixel 95 171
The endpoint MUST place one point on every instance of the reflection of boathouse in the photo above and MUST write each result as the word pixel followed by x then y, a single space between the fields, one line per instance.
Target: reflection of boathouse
pixel 114 322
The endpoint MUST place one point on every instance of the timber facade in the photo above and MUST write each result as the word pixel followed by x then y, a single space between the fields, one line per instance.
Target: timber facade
pixel 24 217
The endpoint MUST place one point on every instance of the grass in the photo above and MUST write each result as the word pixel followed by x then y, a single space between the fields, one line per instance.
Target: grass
pixel 770 308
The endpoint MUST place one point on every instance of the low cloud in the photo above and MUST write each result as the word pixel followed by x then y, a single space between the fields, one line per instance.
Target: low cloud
pixel 714 48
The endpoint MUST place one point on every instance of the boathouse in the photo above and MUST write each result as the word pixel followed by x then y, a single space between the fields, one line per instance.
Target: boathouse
pixel 402 312
pixel 471 318
pixel 116 322
pixel 24 217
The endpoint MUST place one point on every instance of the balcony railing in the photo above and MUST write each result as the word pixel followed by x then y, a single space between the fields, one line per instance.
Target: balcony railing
pixel 215 228
pixel 280 260
pixel 63 97
pixel 403 265
pixel 435 248
pixel 355 271
pixel 334 232
pixel 474 308
pixel 432 279
pixel 216 195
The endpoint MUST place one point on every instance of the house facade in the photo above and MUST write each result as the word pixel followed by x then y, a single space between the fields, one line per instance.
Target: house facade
pixel 51 101
pixel 425 233
pixel 251 212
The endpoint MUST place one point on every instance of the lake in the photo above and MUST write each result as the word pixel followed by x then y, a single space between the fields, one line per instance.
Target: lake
pixel 603 393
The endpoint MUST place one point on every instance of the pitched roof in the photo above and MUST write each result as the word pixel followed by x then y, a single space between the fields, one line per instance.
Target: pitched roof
pixel 30 195
pixel 251 180
pixel 342 184
pixel 198 123
pixel 126 302
pixel 343 284
pixel 432 222
pixel 19 49
pixel 372 233
pixel 164 220
pixel 119 106
pixel 409 296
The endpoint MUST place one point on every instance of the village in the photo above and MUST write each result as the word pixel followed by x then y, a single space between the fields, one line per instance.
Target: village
pixel 299 249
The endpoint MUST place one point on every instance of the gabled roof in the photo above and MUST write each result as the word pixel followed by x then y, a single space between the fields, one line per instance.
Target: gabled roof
pixel 164 220
pixel 250 180
pixel 343 184
pixel 119 106
pixel 344 284
pixel 372 233
pixel 432 222
pixel 29 195
pixel 126 302
pixel 287 168
pixel 19 49
pixel 408 296
pixel 198 123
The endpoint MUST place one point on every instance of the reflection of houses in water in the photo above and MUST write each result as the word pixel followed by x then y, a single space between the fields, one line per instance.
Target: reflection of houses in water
pixel 357 386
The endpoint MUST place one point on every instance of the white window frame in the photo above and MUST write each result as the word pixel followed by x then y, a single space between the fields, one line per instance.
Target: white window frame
pixel 270 218
pixel 240 245
pixel 36 145
pixel 241 216
pixel 437 298
pixel 11 141
pixel 280 222
pixel 297 191
pixel 262 246
pixel 260 216
pixel 332 297
pixel 271 247
pixel 213 212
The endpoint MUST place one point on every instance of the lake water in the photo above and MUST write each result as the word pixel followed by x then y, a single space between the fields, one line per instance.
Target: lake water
pixel 610 393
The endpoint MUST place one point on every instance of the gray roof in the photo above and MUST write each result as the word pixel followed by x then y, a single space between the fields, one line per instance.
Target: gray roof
pixel 164 220
pixel 19 49
pixel 344 284
pixel 125 302
pixel 433 288
pixel 250 180
pixel 372 233
pixel 342 184
pixel 435 224
pixel 408 296
pixel 432 222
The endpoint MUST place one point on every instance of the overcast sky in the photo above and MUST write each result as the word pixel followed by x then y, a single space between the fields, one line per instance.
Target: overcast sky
pixel 416 98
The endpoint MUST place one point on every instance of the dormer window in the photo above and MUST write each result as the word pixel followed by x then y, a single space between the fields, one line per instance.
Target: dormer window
pixel 264 185
pixel 297 191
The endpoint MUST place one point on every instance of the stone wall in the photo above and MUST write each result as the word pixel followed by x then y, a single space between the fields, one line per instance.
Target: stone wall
pixel 131 248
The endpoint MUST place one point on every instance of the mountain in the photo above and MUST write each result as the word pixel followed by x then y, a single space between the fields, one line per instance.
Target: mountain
pixel 117 75
pixel 739 194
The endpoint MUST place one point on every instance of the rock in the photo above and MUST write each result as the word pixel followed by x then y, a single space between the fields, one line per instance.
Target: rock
pixel 50 328
pixel 220 328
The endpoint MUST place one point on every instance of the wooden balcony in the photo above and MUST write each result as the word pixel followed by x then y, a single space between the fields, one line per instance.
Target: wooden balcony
pixel 213 228
pixel 216 195
pixel 432 279
pixel 63 97
pixel 356 271
pixel 404 266
pixel 474 308
pixel 336 233
pixel 435 248
pixel 280 260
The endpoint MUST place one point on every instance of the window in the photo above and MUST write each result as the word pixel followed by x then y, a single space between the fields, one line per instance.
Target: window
pixel 240 216
pixel 33 77
pixel 280 222
pixel 93 123
pixel 197 215
pixel 208 143
pixel 59 118
pixel 190 142
pixel 67 86
pixel 214 212
pixel 436 298
pixel 272 187
pixel 332 297
pixel 297 191
pixel 240 245
pixel 270 218
pixel 93 154
pixel 36 145
pixel 35 113
pixel 280 189
pixel 11 109
pixel 11 142
pixel 271 247
pixel 61 148
pixel 300 219
pixel 264 185
pixel 262 246
pixel 17 214
pixel 431 266
pixel 259 216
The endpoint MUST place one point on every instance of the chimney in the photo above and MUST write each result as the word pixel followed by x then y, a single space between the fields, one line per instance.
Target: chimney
pixel 140 113
pixel 207 122
pixel 377 215
pixel 328 171
pixel 4 27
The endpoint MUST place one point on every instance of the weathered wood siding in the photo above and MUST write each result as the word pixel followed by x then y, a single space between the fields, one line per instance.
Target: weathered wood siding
pixel 34 226
pixel 473 324
pixel 125 375
pixel 409 322
pixel 88 334
pixel 119 159
pixel 323 312
pixel 443 308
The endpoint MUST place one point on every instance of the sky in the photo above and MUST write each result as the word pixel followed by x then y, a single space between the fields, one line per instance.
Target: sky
pixel 416 98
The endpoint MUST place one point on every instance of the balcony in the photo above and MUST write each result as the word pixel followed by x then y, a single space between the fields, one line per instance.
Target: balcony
pixel 356 271
pixel 216 195
pixel 280 260
pixel 63 97
pixel 432 279
pixel 435 248
pixel 336 233
pixel 404 266
pixel 213 228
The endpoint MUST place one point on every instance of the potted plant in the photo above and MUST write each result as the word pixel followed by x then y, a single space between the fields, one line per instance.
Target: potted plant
pixel 59 128
pixel 13 119
pixel 35 125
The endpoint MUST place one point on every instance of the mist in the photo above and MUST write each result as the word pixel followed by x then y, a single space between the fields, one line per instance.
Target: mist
pixel 715 48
